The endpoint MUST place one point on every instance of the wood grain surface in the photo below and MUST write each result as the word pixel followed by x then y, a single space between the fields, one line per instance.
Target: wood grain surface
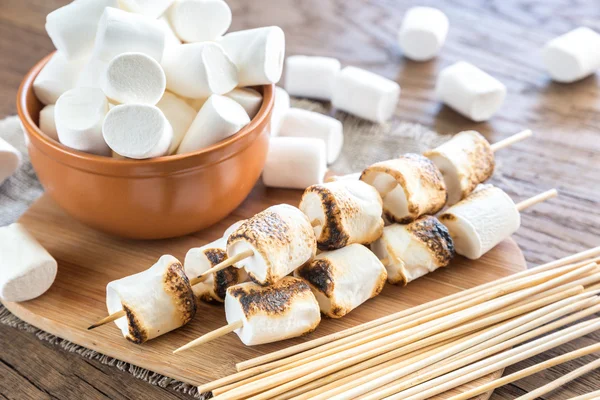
pixel 503 37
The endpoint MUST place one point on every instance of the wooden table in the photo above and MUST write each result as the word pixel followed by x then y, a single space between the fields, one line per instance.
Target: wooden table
pixel 503 37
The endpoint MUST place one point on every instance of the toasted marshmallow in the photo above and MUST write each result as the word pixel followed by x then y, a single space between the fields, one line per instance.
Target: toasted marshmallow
pixel 423 33
pixel 200 20
pixel 572 56
pixel 282 311
pixel 312 77
pixel 179 114
pixel 149 8
pixel 280 108
pixel 233 228
pixel 47 122
pixel 248 98
pixel 57 76
pixel 348 177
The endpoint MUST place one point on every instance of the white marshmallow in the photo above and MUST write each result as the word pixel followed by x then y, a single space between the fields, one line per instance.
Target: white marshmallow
pixel 171 39
pixel 312 77
pixel 79 114
pixel 200 20
pixel 72 28
pixel 257 53
pixel 123 32
pixel 572 56
pixel 349 177
pixel 57 76
pixel 137 131
pixel 365 94
pixel 303 123
pixel 423 33
pixel 232 228
pixel 295 163
pixel 134 78
pixel 470 91
pixel 197 70
pixel 10 159
pixel 27 270
pixel 248 98
pixel 48 122
pixel 179 114
pixel 280 108
pixel 219 118
pixel 149 8
pixel 92 74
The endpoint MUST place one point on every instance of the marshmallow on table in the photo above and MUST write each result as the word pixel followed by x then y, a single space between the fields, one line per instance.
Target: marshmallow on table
pixel 423 33
pixel 57 76
pixel 312 77
pixel 134 78
pixel 365 94
pixel 197 70
pixel 219 118
pixel 27 270
pixel 48 122
pixel 179 114
pixel 248 98
pixel 73 27
pixel 572 56
pixel 280 108
pixel 150 8
pixel 470 91
pixel 257 53
pixel 79 114
pixel 295 163
pixel 200 20
pixel 10 159
pixel 137 131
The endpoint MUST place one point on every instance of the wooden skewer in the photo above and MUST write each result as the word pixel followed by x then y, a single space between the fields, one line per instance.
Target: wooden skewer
pixel 224 330
pixel 589 396
pixel 112 317
pixel 537 199
pixel 228 262
pixel 517 137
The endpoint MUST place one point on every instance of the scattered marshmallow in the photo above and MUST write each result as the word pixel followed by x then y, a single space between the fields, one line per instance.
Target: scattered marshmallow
pixel 92 74
pixel 197 70
pixel 573 56
pixel 280 108
pixel 219 118
pixel 72 28
pixel 365 94
pixel 248 98
pixel 10 159
pixel 27 270
pixel 470 91
pixel 179 114
pixel 312 77
pixel 295 162
pixel 200 20
pixel 423 33
pixel 137 131
pixel 47 122
pixel 134 78
pixel 79 114
pixel 257 53
pixel 149 8
pixel 304 123
pixel 57 76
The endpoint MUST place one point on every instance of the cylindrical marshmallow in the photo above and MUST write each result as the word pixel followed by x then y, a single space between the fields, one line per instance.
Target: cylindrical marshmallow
pixel 303 123
pixel 156 301
pixel 79 114
pixel 248 98
pixel 281 239
pixel 196 104
pixel 295 163
pixel 365 94
pixel 423 33
pixel 27 270
pixel 200 20
pixel 73 27
pixel 149 8
pixel 48 123
pixel 348 177
pixel 137 131
pixel 179 114
pixel 481 221
pixel 312 77
pixel 219 118
pixel 470 91
pixel 92 74
pixel 171 39
pixel 197 70
pixel 232 228
pixel 573 56
pixel 343 279
pixel 410 186
pixel 280 108
pixel 134 78
pixel 465 161
pixel 343 212
pixel 57 76
pixel 257 53
pixel 413 250
pixel 10 159
pixel 282 311
pixel 123 32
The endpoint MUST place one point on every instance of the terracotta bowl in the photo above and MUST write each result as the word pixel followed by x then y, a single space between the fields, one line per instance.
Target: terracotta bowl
pixel 147 199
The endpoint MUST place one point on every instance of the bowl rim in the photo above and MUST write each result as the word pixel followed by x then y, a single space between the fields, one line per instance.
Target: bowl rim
pixel 216 153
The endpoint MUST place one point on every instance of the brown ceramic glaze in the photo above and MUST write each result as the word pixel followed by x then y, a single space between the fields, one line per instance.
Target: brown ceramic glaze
pixel 147 199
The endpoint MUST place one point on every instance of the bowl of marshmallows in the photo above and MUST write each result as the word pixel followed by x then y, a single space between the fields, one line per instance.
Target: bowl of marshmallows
pixel 150 120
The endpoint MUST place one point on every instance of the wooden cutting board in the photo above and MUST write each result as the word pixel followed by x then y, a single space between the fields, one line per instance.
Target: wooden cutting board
pixel 88 260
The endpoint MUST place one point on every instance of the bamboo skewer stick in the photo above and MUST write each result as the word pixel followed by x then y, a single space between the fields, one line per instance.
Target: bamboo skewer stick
pixel 527 372
pixel 588 396
pixel 224 330
pixel 228 262
pixel 112 317
pixel 537 199
pixel 509 141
